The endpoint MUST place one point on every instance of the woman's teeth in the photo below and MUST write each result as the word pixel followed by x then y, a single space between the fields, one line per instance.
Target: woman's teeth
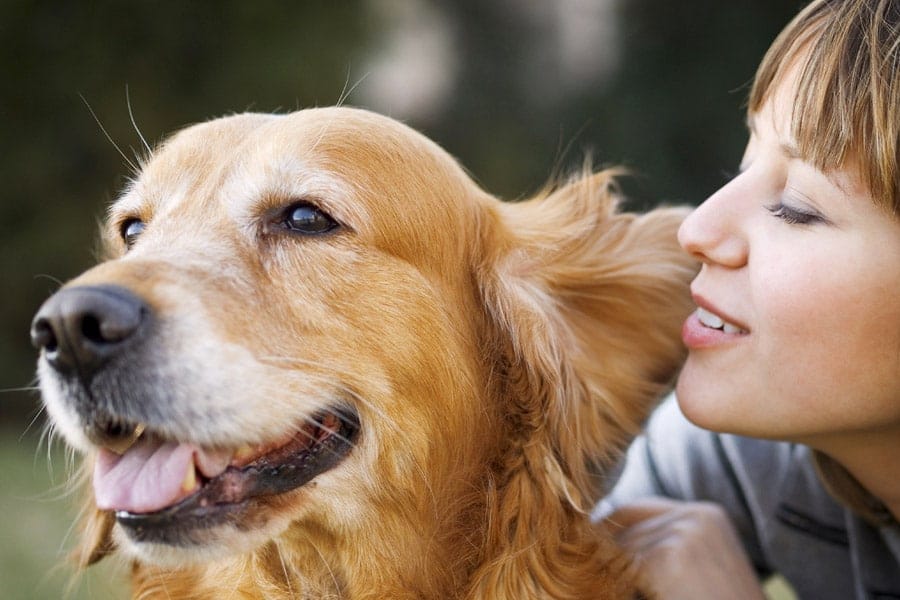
pixel 715 322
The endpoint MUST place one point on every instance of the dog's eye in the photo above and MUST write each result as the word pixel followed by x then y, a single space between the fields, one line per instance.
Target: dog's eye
pixel 131 230
pixel 306 218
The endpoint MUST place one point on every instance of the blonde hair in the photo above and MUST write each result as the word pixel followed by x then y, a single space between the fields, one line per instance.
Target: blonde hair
pixel 847 105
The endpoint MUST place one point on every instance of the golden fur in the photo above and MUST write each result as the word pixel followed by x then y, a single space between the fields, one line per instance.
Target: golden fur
pixel 500 355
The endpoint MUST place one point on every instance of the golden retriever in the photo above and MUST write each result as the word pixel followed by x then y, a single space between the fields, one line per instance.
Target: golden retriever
pixel 320 362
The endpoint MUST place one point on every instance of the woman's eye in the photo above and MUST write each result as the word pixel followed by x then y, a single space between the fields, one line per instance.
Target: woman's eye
pixel 793 216
pixel 131 230
pixel 306 218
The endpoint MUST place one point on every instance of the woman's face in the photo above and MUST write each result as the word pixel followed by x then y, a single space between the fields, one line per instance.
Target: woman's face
pixel 804 269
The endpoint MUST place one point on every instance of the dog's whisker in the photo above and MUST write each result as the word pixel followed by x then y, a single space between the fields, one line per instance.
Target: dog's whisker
pixel 387 420
pixel 335 434
pixel 28 388
pixel 80 517
pixel 321 377
pixel 31 386
pixel 384 418
pixel 127 160
pixel 371 406
pixel 345 92
pixel 64 488
pixel 134 123
pixel 55 280
pixel 57 490
pixel 70 460
pixel 419 469
pixel 47 436
pixel 51 435
pixel 325 563
pixel 335 372
pixel 165 589
pixel 326 127
pixel 234 591
pixel 284 569
pixel 278 361
pixel 37 415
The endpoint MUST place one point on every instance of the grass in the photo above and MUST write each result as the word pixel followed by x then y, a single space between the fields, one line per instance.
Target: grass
pixel 35 522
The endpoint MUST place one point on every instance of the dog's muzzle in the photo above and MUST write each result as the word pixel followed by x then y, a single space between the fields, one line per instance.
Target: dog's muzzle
pixel 80 331
pixel 81 328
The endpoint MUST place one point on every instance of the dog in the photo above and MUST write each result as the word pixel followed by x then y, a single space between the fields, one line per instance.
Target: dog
pixel 319 361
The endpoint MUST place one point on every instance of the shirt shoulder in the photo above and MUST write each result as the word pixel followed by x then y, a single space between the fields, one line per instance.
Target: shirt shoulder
pixel 677 459
pixel 785 517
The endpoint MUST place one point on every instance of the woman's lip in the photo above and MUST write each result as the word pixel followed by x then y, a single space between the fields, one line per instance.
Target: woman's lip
pixel 696 335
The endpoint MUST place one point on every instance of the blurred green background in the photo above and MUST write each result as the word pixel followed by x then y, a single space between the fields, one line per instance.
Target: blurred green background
pixel 516 89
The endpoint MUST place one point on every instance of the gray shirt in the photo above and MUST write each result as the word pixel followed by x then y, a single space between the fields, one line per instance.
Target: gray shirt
pixel 788 522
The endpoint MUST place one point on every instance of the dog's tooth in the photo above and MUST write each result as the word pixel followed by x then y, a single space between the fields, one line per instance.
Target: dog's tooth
pixel 331 423
pixel 120 447
pixel 190 479
pixel 243 453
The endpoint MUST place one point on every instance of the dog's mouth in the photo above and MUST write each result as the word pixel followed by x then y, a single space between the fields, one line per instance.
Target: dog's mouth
pixel 159 488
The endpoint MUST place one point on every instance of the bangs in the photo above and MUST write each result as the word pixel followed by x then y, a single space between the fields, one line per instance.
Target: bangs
pixel 847 103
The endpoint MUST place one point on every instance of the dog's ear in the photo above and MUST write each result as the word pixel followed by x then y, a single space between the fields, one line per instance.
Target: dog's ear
pixel 589 303
pixel 95 525
pixel 586 306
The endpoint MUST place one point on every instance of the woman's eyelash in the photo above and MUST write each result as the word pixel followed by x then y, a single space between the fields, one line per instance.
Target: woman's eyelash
pixel 792 216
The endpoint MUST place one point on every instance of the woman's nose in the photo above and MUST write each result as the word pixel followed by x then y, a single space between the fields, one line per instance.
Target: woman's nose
pixel 714 232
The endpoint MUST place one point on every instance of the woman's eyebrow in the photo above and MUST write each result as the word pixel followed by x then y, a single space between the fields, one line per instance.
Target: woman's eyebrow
pixel 789 147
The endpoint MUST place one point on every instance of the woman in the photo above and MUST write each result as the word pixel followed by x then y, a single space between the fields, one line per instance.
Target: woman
pixel 788 460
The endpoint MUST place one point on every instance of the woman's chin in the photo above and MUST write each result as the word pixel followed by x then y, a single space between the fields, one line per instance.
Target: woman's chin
pixel 706 403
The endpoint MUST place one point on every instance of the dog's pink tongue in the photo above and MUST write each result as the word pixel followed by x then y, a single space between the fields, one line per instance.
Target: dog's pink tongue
pixel 150 475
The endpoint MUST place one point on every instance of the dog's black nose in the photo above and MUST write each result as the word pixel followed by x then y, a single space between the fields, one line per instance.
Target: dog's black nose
pixel 80 328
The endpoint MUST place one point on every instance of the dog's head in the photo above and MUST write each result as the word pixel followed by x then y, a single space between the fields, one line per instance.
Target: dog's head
pixel 318 320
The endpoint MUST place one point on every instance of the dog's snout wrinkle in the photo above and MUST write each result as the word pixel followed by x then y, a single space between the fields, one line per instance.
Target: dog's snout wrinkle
pixel 80 328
